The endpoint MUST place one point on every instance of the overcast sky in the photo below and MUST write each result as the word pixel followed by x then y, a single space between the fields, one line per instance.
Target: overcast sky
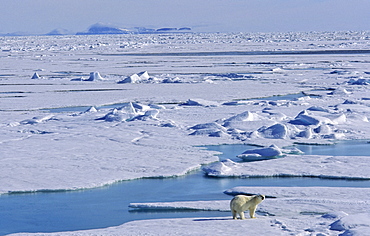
pixel 42 16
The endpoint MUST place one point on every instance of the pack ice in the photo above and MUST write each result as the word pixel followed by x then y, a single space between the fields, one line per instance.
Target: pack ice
pixel 196 89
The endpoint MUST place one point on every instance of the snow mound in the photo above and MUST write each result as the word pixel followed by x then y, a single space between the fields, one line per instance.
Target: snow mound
pixel 323 129
pixel 261 153
pixel 175 80
pixel 36 120
pixel 136 78
pixel 150 114
pixel 340 72
pixel 130 112
pixel 144 75
pixel 339 91
pixel 304 118
pixel 245 116
pixel 276 131
pixel 360 81
pixel 334 215
pixel 116 116
pixel 132 79
pixel 35 76
pixel 212 125
pixel 317 108
pixel 355 224
pixel 199 102
pixel 169 124
pixel 209 129
pixel 220 169
pixel 95 76
pixel 91 109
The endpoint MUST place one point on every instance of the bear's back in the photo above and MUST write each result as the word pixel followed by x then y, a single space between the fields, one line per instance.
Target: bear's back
pixel 240 201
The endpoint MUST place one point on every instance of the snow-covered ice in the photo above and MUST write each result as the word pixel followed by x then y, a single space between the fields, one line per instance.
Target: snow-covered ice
pixel 261 153
pixel 345 167
pixel 154 99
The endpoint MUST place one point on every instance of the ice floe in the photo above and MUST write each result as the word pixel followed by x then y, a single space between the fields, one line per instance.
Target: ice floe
pixel 261 153
pixel 336 167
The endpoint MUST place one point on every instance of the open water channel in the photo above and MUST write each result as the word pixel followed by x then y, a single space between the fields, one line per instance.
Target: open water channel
pixel 108 206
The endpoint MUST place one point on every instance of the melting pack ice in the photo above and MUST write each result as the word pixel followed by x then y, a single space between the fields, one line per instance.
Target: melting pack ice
pixel 153 104
pixel 285 211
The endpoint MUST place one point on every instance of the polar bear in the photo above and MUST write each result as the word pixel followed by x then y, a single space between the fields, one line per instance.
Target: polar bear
pixel 241 203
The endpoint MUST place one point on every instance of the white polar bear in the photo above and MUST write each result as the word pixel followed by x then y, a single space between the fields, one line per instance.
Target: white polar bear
pixel 241 203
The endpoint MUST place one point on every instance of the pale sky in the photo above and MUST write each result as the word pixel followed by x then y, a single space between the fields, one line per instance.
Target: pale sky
pixel 43 16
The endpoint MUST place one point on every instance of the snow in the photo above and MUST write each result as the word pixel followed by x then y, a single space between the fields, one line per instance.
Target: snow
pixel 152 100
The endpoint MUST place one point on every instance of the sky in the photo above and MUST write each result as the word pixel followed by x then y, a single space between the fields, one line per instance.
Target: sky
pixel 43 16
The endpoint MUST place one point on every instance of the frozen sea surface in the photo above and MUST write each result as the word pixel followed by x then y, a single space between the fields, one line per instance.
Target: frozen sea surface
pixel 198 89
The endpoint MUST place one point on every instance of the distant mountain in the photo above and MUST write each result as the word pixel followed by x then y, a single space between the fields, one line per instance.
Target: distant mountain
pixel 100 28
pixel 59 31
pixel 18 33
pixel 173 29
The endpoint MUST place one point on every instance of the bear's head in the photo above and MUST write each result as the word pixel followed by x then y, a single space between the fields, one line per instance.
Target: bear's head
pixel 261 197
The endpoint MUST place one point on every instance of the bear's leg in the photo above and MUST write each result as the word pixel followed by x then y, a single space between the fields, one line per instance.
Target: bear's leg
pixel 234 214
pixel 242 217
pixel 252 210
